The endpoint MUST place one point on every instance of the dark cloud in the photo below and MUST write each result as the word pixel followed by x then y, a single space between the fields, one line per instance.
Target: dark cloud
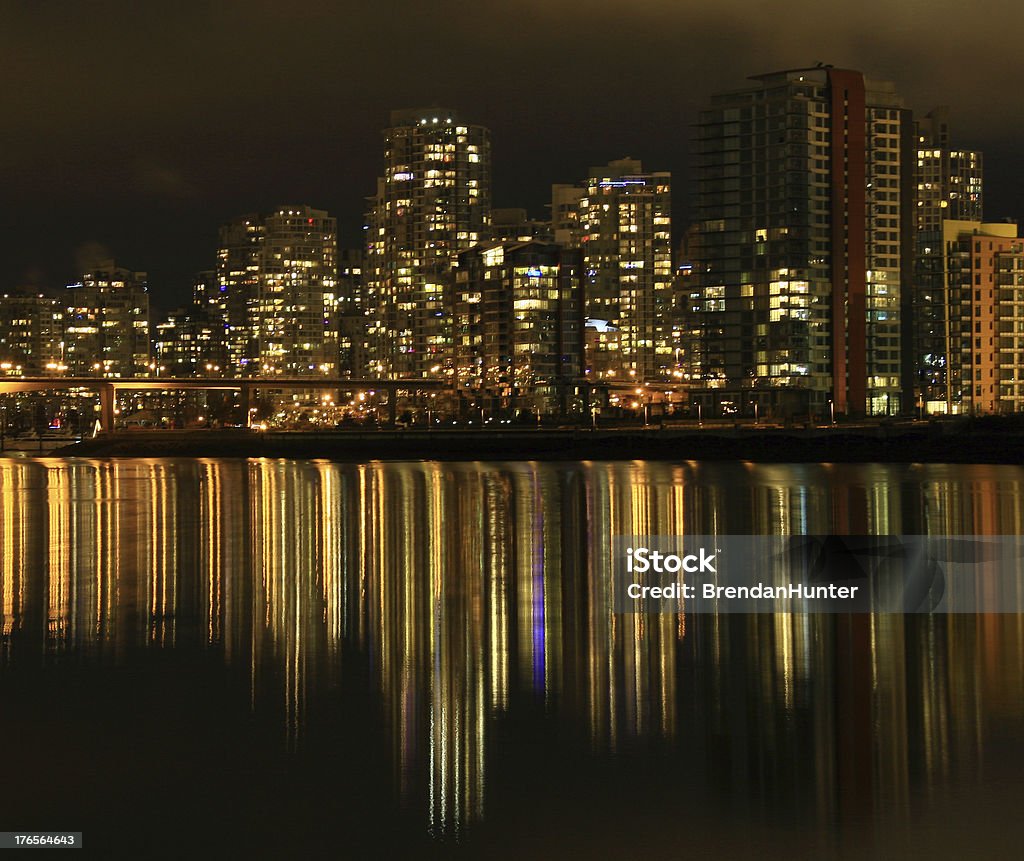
pixel 89 255
pixel 142 126
pixel 160 180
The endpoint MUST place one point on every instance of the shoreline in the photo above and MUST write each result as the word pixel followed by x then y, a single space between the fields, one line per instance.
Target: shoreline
pixel 916 442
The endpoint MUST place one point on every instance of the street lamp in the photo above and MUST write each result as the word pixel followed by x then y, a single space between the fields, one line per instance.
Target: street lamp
pixel 832 410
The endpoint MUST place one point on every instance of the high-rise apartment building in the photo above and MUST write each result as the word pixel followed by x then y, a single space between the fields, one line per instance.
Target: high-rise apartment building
pixel 518 322
pixel 948 180
pixel 622 221
pixel 239 262
pixel 803 195
pixel 982 300
pixel 278 277
pixel 353 322
pixel 189 343
pixel 31 335
pixel 565 213
pixel 106 323
pixel 433 201
pixel 207 295
pixel 949 187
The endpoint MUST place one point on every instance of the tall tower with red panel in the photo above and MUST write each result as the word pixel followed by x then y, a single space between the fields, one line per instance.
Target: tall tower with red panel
pixel 804 184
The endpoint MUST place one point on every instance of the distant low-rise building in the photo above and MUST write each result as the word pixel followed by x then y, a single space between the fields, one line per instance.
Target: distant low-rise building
pixel 602 350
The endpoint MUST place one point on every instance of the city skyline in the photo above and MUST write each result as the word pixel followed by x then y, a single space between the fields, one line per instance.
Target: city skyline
pixel 128 172
pixel 169 297
pixel 815 273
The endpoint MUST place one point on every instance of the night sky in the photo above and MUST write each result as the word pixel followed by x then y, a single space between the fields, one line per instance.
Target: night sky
pixel 135 129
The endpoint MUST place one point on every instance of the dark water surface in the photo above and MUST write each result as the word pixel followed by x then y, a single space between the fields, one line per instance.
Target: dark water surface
pixel 317 660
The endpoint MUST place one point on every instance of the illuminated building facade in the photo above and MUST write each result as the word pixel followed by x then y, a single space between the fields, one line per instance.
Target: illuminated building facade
pixel 210 332
pixel 803 206
pixel 188 343
pixel 353 323
pixel 239 262
pixel 949 181
pixel 207 297
pixel 949 187
pixel 106 323
pixel 685 321
pixel 565 214
pixel 518 321
pixel 983 318
pixel 433 201
pixel 623 224
pixel 31 335
pixel 193 341
pixel 278 274
pixel 601 347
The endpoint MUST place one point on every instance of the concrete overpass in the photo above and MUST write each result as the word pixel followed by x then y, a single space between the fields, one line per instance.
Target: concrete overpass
pixel 108 387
